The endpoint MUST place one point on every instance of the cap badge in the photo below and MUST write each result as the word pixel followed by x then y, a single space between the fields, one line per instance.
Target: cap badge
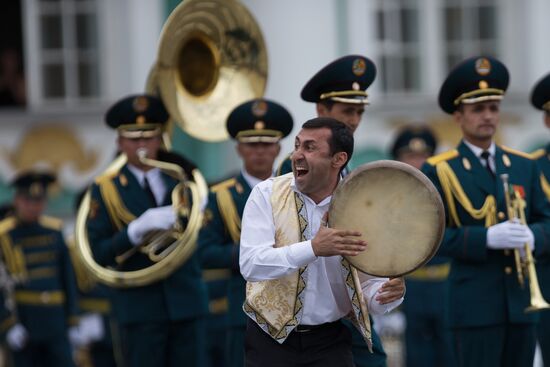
pixel 417 145
pixel 358 67
pixel 140 104
pixel 36 189
pixel 259 108
pixel 259 125
pixel 140 120
pixel 483 84
pixel 483 66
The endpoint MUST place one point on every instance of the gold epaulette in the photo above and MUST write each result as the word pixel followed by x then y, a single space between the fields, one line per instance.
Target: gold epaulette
pixel 51 222
pixel 224 185
pixel 7 224
pixel 516 152
pixel 538 153
pixel 442 157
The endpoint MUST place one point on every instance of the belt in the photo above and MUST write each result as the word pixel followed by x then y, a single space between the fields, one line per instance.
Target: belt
pixel 310 328
pixel 430 273
pixel 40 298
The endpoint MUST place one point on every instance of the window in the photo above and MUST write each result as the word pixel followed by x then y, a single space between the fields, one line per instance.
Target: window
pixel 12 73
pixel 399 45
pixel 470 28
pixel 65 42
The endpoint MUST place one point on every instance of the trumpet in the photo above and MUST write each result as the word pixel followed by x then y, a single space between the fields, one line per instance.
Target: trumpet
pixel 525 265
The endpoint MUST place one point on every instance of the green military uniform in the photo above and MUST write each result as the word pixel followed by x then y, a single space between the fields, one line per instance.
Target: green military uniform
pixel 485 303
pixel 93 298
pixel 258 121
pixel 161 323
pixel 540 98
pixel 37 260
pixel 427 340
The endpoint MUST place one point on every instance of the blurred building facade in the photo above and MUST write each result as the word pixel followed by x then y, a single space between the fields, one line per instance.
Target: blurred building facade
pixel 73 58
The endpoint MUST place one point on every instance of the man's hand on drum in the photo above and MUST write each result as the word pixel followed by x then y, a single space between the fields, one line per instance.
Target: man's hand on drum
pixel 390 291
pixel 333 242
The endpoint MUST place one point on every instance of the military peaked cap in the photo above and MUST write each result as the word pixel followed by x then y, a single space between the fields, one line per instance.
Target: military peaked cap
pixel 33 184
pixel 344 80
pixel 259 120
pixel 418 139
pixel 540 96
pixel 474 80
pixel 137 116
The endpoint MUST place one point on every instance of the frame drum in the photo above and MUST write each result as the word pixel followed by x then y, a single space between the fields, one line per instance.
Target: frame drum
pixel 399 212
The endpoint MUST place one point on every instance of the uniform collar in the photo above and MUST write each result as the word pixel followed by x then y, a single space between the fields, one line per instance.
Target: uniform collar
pixel 251 180
pixel 477 150
pixel 152 174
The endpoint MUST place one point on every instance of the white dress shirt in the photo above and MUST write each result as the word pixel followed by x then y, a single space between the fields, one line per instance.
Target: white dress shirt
pixel 477 152
pixel 154 177
pixel 325 297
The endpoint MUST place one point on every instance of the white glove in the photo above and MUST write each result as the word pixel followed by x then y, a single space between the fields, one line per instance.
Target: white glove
pixel 77 337
pixel 17 337
pixel 92 326
pixel 160 218
pixel 509 235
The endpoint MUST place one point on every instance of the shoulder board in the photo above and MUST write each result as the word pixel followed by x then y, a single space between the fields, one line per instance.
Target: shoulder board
pixel 224 185
pixel 516 152
pixel 51 222
pixel 442 157
pixel 538 153
pixel 7 224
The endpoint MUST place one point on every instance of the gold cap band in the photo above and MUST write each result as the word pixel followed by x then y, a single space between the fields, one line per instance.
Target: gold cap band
pixel 487 94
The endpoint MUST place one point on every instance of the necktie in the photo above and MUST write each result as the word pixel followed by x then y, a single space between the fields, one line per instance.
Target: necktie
pixel 485 156
pixel 149 192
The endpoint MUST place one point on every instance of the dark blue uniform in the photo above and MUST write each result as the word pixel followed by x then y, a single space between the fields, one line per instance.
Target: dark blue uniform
pixel 543 260
pixel 93 298
pixel 485 302
pixel 161 323
pixel 219 249
pixel 46 294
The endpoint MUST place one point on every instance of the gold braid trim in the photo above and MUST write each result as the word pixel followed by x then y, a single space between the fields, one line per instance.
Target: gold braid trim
pixel 120 215
pixel 84 280
pixel 545 186
pixel 229 213
pixel 538 153
pixel 453 190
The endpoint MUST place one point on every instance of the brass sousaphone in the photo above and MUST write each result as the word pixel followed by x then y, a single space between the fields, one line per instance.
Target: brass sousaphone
pixel 211 58
pixel 399 212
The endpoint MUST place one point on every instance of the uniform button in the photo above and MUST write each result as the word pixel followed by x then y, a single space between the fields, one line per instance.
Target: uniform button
pixel 507 252
pixel 508 270
pixel 501 215
pixel 45 297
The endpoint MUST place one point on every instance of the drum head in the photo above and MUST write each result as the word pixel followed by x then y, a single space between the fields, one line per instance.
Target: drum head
pixel 399 212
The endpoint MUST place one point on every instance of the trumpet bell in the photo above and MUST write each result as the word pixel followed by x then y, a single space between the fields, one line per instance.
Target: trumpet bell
pixel 211 57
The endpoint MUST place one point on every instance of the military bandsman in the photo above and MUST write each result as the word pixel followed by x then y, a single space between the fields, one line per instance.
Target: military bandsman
pixel 486 303
pixel 257 126
pixel 39 303
pixel 540 99
pixel 161 323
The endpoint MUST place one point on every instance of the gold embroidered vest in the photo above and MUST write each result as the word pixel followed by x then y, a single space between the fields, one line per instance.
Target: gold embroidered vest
pixel 277 305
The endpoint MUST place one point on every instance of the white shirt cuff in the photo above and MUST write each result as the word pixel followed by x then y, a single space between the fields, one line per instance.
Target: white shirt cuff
pixel 300 254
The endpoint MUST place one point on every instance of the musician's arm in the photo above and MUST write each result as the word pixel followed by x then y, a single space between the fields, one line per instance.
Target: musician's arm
pixel 259 259
pixel 105 241
pixel 373 290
